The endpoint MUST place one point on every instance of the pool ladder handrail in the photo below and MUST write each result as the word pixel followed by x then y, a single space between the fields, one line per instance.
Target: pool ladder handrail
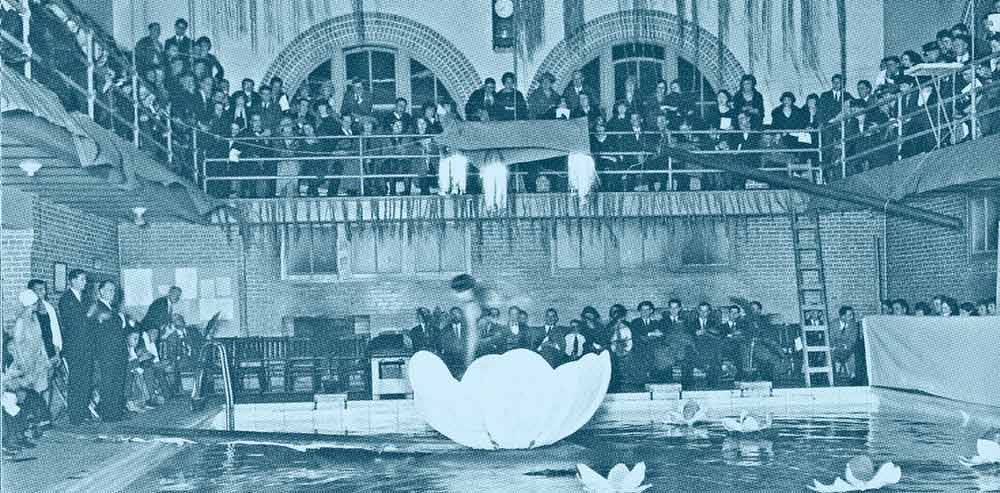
pixel 227 382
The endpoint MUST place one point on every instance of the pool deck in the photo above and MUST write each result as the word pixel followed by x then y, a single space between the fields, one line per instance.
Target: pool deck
pixel 94 457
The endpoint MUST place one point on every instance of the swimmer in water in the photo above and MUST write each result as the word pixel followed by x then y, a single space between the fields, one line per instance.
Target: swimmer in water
pixel 476 299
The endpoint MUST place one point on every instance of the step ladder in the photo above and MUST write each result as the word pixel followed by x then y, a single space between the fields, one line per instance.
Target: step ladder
pixel 817 362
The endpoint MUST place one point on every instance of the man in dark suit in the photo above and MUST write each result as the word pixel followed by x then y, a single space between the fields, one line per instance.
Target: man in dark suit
pixel 649 335
pixel 78 349
pixel 510 102
pixel 483 98
pixel 400 113
pixel 160 312
pixel 832 102
pixel 549 339
pixel 708 342
pixel 422 336
pixel 149 50
pixel 249 95
pixel 678 347
pixel 575 88
pixel 451 341
pixel 517 325
pixel 180 39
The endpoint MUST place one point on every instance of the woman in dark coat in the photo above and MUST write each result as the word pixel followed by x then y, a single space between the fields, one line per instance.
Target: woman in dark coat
pixel 109 329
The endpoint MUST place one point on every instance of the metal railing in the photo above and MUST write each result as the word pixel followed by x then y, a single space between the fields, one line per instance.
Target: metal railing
pixel 381 161
pixel 948 110
pixel 188 147
pixel 206 364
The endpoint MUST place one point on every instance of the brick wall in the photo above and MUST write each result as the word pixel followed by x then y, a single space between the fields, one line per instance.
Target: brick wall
pixel 927 260
pixel 518 263
pixel 173 245
pixel 57 234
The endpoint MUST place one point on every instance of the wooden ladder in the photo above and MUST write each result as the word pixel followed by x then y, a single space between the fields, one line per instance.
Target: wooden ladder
pixel 811 286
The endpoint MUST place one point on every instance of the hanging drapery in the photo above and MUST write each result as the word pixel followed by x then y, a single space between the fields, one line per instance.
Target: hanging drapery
pixel 725 11
pixel 453 173
pixel 529 20
pixel 573 18
pixel 809 24
pixel 842 30
pixel 582 173
pixel 788 31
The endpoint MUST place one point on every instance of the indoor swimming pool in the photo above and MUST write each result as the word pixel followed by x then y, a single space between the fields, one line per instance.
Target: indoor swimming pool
pixel 924 436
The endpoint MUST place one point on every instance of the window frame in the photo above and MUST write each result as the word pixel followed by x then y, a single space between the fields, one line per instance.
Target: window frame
pixel 312 276
pixel 370 80
pixel 980 228
pixel 622 269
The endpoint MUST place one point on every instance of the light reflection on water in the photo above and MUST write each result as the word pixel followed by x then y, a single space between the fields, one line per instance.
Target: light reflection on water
pixel 790 456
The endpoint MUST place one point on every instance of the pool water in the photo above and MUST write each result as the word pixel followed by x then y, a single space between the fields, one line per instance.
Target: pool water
pixel 788 457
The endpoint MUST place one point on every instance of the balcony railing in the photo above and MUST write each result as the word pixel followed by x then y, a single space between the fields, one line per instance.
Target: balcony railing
pixel 895 128
pixel 408 163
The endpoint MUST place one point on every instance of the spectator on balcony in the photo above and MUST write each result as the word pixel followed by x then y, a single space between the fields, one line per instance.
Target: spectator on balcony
pixel 931 52
pixel 890 72
pixel 657 103
pixel 149 49
pixel 789 117
pixel 601 147
pixel 268 110
pixel 172 80
pixel 398 144
pixel 288 149
pixel 960 47
pixel 400 113
pixel 944 41
pixel 510 103
pixel 632 98
pixel 908 60
pixel 620 123
pixel 203 53
pixel 636 144
pixel 186 105
pixel 250 97
pixel 281 99
pixel 327 123
pixel 750 100
pixel 180 39
pixel 430 112
pixel 426 149
pixel 721 115
pixel 916 120
pixel 834 101
pixel 683 102
pixel 575 88
pixel 561 111
pixel 302 115
pixel 253 145
pixel 483 98
pixel 357 101
pixel 204 99
pixel 542 98
pixel 321 185
pixel 745 139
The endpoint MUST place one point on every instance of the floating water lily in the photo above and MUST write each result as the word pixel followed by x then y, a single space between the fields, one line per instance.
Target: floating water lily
pixel 509 401
pixel 620 479
pixel 860 476
pixel 747 423
pixel 687 413
pixel 987 452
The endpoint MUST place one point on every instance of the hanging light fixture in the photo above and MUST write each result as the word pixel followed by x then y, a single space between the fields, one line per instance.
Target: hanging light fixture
pixel 30 167
pixel 137 216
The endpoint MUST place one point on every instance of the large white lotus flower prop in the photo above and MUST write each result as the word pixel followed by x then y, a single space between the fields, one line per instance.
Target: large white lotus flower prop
pixel 619 480
pixel 688 413
pixel 747 423
pixel 860 476
pixel 987 452
pixel 509 401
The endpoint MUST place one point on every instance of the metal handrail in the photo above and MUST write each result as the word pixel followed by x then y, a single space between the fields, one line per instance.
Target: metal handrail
pixel 210 349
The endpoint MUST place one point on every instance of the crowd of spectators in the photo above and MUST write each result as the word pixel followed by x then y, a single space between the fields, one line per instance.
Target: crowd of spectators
pixel 651 345
pixel 182 85
pixel 941 306
pixel 87 360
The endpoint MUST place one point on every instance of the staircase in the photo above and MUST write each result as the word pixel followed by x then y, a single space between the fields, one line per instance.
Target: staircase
pixel 811 286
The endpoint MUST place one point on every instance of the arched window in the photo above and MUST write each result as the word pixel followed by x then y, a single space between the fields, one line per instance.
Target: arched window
pixel 388 74
pixel 648 63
